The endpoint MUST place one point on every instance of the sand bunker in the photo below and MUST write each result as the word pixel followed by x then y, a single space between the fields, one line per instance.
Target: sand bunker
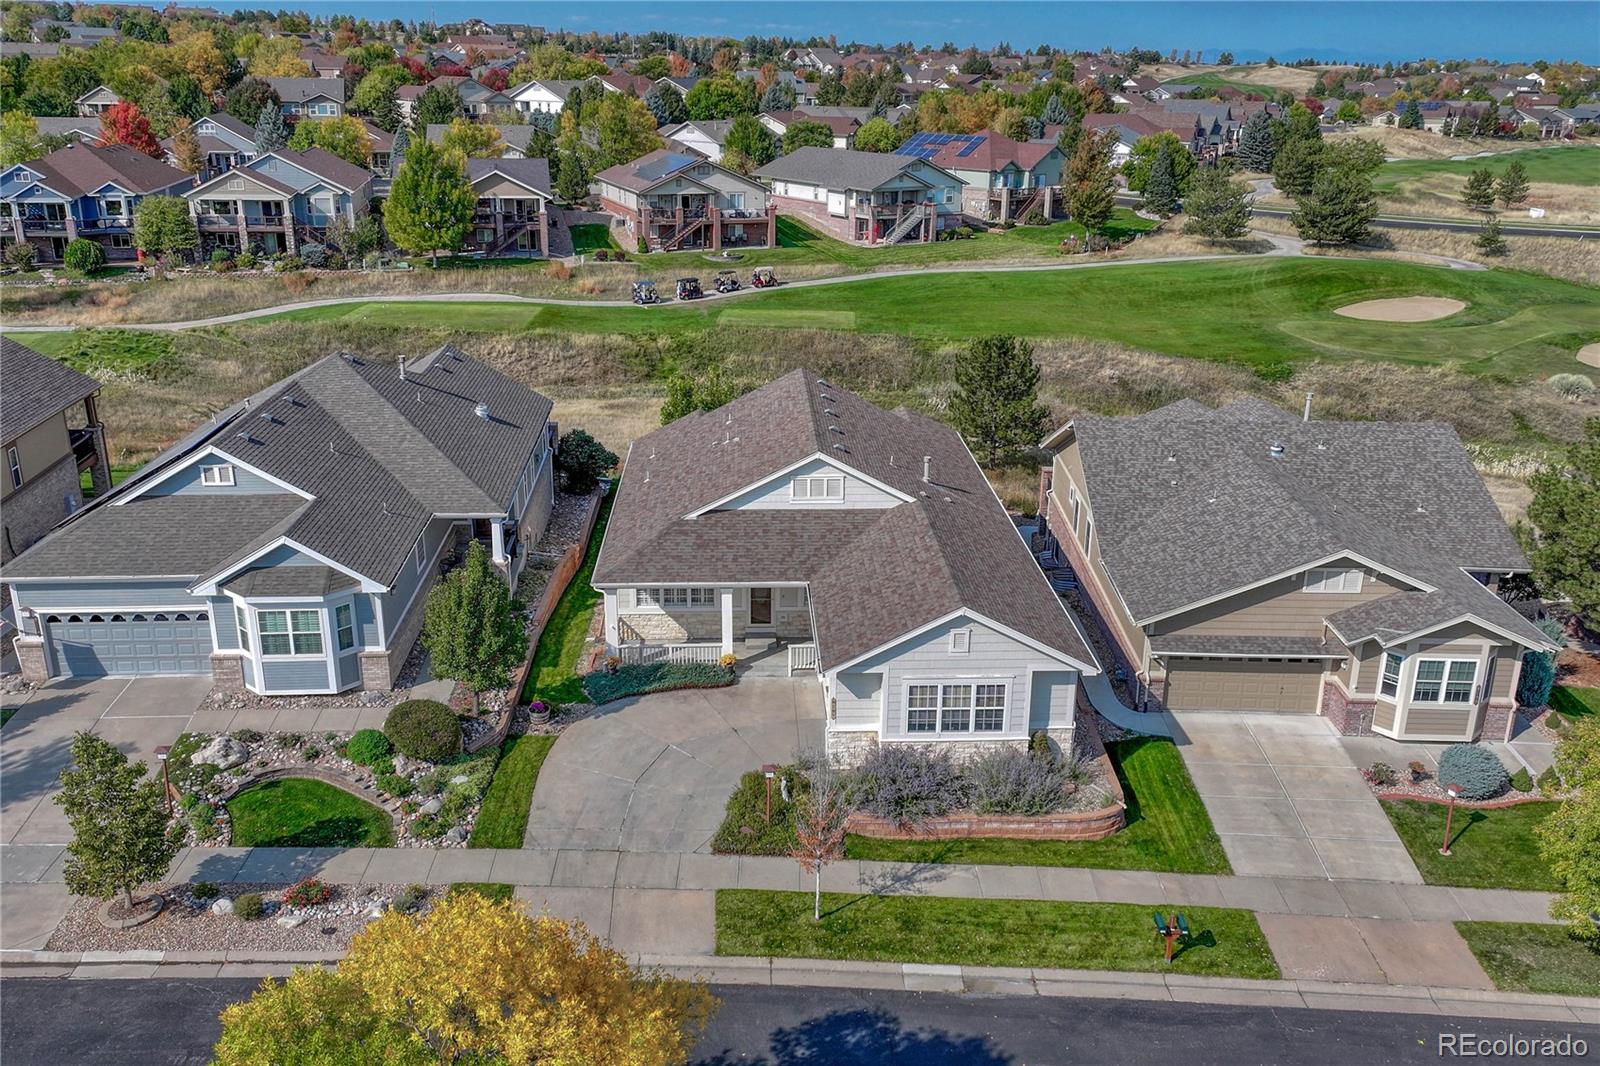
pixel 1589 354
pixel 1404 309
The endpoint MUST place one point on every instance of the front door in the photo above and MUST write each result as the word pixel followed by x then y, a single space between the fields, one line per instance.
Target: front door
pixel 760 608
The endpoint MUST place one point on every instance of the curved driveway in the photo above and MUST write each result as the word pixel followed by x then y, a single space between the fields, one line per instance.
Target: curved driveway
pixel 654 773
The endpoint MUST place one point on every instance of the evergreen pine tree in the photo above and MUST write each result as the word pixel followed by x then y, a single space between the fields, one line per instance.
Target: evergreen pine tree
pixel 272 132
pixel 1339 209
pixel 1295 168
pixel 1216 207
pixel 1257 148
pixel 1161 190
pixel 1412 119
pixel 1055 112
pixel 1489 240
pixel 1479 190
pixel 1512 188
pixel 387 115
pixel 1091 186
pixel 996 406
pixel 778 97
pixel 397 153
pixel 572 183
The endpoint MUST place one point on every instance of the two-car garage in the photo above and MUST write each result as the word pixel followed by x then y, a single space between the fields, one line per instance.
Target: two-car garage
pixel 1208 684
pixel 129 644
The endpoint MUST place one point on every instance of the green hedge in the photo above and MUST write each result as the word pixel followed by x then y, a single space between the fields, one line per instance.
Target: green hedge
pixel 657 677
pixel 424 729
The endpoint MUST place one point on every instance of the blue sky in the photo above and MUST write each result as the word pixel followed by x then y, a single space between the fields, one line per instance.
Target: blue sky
pixel 1509 32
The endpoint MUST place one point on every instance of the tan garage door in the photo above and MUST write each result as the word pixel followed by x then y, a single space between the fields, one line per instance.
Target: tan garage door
pixel 1243 685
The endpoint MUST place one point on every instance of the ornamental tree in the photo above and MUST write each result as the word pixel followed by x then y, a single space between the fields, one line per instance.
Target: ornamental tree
pixel 124 123
pixel 1091 186
pixel 1569 839
pixel 806 133
pixel 820 816
pixel 344 136
pixel 186 148
pixel 118 820
pixel 996 406
pixel 475 140
pixel 1565 514
pixel 877 135
pixel 431 202
pixel 471 631
pixel 1142 160
pixel 246 99
pixel 83 255
pixel 162 226
pixel 582 460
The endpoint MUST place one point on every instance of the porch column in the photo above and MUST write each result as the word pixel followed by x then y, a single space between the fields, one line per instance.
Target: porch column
pixel 612 629
pixel 715 218
pixel 290 245
pixel 725 601
pixel 497 541
pixel 544 234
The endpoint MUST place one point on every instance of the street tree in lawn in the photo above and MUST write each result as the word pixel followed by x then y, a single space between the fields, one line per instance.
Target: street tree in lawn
pixel 471 980
pixel 581 460
pixel 806 133
pixel 272 133
pixel 877 135
pixel 124 123
pixel 1565 513
pixel 118 820
pixel 1217 207
pixel 1091 185
pixel 996 406
pixel 1489 241
pixel 162 226
pixel 470 628
pixel 748 137
pixel 1339 209
pixel 1257 147
pixel 1161 188
pixel 1569 839
pixel 1512 188
pixel 475 140
pixel 1478 193
pixel 820 816
pixel 431 203
pixel 1142 160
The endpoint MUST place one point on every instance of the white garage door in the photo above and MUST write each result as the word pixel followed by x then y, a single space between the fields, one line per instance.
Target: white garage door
pixel 1243 685
pixel 130 644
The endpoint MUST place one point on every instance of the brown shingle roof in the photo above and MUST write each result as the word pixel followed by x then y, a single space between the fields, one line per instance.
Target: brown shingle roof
pixel 79 169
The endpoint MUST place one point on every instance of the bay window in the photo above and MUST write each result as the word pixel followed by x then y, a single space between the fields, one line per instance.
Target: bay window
pixel 958 707
pixel 244 627
pixel 290 632
pixel 1445 681
pixel 344 625
pixel 1389 684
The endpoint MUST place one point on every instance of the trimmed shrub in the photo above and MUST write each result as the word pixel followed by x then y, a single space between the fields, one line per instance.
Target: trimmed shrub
pixel 308 893
pixel 368 747
pixel 1039 743
pixel 1571 386
pixel 1549 782
pixel 287 264
pixel 222 255
pixel 310 752
pixel 205 890
pixel 395 785
pixel 657 677
pixel 314 255
pixel 1539 669
pixel 85 256
pixel 410 899
pixel 249 906
pixel 907 784
pixel 245 260
pixel 424 729
pixel 1474 770
pixel 1381 773
pixel 1522 781
pixel 1013 781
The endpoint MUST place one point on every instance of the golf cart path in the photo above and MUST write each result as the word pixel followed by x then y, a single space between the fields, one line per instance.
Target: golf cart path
pixel 1282 246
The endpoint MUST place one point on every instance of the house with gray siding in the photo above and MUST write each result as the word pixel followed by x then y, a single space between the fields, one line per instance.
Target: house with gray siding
pixel 278 201
pixel 287 545
pixel 865 545
pixel 1244 559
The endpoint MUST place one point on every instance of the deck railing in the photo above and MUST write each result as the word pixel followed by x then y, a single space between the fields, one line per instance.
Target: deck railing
pixel 647 654
pixel 802 657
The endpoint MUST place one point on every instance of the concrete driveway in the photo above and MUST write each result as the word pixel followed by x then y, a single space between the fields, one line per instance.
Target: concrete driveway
pixel 1287 800
pixel 136 715
pixel 654 773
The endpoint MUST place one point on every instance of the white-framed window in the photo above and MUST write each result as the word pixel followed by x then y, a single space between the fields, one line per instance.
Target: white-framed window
pixel 344 625
pixel 119 240
pixel 1088 536
pixel 1444 681
pixel 290 632
pixel 217 474
pixel 676 596
pixel 960 641
pixel 1389 683
pixel 416 556
pixel 736 201
pixel 115 207
pixel 1075 503
pixel 1333 580
pixel 956 707
pixel 244 627
pixel 14 464
pixel 824 487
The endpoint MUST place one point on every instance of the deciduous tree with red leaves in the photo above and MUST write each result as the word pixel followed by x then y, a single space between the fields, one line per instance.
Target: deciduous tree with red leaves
pixel 124 123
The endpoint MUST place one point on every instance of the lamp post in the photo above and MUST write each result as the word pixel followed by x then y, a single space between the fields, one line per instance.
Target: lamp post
pixel 769 771
pixel 1452 791
pixel 166 785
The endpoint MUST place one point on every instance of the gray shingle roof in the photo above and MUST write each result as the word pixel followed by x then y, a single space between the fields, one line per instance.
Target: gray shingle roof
pixel 838 168
pixel 1220 644
pixel 534 173
pixel 1189 503
pixel 380 454
pixel 649 169
pixel 34 388
pixel 288 581
pixel 299 90
pixel 875 575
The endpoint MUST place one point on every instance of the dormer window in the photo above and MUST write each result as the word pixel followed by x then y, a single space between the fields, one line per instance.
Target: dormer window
pixel 217 474
pixel 1334 581
pixel 825 488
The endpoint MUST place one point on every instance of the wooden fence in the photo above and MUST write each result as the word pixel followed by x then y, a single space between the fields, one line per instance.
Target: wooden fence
pixel 571 562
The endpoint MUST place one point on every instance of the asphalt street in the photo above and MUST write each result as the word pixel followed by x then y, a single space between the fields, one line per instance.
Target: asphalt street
pixel 51 1022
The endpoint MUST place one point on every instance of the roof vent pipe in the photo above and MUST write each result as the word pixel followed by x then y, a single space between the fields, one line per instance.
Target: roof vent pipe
pixel 482 411
pixel 1276 450
pixel 403 368
pixel 1306 417
pixel 927 468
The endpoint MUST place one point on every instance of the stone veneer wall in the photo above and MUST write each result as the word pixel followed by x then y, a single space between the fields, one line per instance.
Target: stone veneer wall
pixel 1498 717
pixel 1350 716
pixel 227 673
pixel 31 660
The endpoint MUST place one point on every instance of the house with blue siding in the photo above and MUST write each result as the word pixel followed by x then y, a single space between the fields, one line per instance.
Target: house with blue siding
pixel 82 190
pixel 278 201
pixel 288 544
pixel 860 544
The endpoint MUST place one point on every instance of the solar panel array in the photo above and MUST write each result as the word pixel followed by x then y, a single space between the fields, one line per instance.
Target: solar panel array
pixel 927 145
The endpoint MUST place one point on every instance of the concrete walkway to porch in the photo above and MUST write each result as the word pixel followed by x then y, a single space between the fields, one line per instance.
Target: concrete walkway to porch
pixel 1287 800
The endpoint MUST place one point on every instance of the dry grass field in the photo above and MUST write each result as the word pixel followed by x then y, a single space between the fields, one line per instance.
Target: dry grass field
pixel 1417 144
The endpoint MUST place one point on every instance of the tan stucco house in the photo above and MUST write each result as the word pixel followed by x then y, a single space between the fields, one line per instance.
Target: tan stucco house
pixel 1241 559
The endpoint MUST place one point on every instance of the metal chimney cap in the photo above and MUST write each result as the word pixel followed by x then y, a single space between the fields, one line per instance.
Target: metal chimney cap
pixel 482 411
pixel 1276 450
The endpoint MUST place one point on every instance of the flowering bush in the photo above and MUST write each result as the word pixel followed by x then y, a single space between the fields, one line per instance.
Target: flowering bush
pixel 307 893
pixel 1016 781
pixel 908 784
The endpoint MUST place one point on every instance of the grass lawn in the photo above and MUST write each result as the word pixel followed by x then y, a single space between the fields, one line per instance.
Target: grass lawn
pixel 119 474
pixel 5 715
pixel 103 352
pixel 1488 848
pixel 1573 703
pixel 986 932
pixel 1530 957
pixel 554 677
pixel 297 812
pixel 1557 166
pixel 492 889
pixel 592 236
pixel 504 817
pixel 1257 312
pixel 1168 828
pixel 1220 80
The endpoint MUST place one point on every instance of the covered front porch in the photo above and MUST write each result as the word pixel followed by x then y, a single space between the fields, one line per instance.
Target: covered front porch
pixel 766 626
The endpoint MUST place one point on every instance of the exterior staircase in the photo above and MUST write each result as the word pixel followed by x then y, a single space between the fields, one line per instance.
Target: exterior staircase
pixel 675 240
pixel 1034 200
pixel 508 239
pixel 908 222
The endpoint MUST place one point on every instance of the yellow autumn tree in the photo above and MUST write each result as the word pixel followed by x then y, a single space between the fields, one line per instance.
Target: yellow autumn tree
pixel 470 980
pixel 197 55
pixel 279 57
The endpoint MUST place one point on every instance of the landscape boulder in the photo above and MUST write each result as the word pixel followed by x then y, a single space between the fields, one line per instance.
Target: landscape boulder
pixel 222 752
